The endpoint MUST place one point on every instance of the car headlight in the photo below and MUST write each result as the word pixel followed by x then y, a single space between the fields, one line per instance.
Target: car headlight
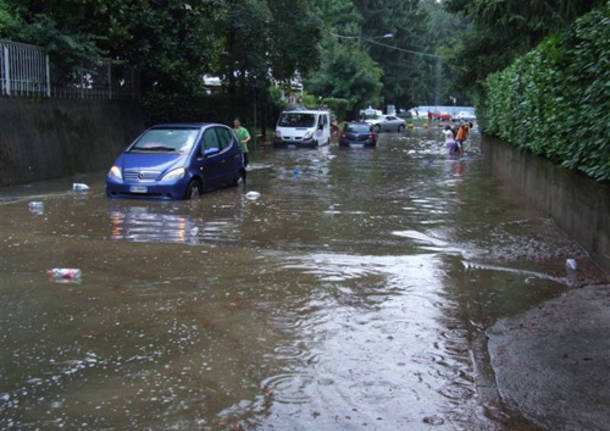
pixel 175 175
pixel 308 136
pixel 115 173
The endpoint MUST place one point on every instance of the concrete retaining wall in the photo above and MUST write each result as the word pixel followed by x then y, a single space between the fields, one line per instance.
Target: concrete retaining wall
pixel 579 205
pixel 41 139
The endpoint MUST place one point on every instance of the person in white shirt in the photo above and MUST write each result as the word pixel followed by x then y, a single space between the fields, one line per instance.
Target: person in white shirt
pixel 450 140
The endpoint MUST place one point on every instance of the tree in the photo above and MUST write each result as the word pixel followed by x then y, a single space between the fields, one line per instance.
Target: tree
pixel 169 41
pixel 404 73
pixel 349 73
pixel 499 30
pixel 346 71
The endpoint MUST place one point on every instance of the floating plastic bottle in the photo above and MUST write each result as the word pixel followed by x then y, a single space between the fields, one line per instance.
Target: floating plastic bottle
pixel 571 264
pixel 194 231
pixel 80 187
pixel 253 195
pixel 572 272
pixel 65 273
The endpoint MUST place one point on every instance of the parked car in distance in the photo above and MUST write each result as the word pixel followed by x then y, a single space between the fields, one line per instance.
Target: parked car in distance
pixel 358 135
pixel 444 116
pixel 386 123
pixel 302 129
pixel 465 116
pixel 177 161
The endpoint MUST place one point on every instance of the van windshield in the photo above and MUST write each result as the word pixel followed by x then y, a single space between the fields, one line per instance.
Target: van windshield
pixel 167 140
pixel 295 119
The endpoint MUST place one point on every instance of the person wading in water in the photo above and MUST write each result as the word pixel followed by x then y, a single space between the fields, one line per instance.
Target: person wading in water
pixel 243 136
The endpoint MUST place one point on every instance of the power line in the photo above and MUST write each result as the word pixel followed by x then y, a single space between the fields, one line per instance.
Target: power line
pixel 385 45
pixel 408 51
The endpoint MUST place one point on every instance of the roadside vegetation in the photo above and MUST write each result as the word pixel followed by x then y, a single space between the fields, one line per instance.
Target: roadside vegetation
pixel 540 76
pixel 555 100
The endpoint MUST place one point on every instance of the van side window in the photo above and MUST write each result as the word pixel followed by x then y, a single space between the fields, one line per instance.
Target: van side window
pixel 210 141
pixel 224 137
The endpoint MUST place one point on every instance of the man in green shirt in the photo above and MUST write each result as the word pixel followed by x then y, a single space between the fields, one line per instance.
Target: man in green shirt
pixel 243 136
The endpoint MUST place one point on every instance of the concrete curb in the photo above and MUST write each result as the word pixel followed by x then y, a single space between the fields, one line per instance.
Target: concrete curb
pixel 552 363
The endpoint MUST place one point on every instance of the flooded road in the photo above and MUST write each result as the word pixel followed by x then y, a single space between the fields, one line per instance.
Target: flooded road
pixel 352 294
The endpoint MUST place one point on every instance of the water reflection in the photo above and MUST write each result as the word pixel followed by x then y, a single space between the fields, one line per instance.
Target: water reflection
pixel 169 223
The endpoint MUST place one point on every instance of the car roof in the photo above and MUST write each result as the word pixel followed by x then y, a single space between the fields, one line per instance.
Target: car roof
pixel 309 111
pixel 185 125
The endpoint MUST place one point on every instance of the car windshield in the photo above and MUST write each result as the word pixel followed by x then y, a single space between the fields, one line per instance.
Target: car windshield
pixel 358 128
pixel 294 119
pixel 167 140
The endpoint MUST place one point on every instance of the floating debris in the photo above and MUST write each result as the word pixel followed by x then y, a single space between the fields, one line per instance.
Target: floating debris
pixel 36 207
pixel 69 274
pixel 80 187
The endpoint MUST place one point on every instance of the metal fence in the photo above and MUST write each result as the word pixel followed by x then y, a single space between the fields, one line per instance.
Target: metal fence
pixel 28 70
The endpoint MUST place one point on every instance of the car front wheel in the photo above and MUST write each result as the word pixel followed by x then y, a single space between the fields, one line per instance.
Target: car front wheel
pixel 377 128
pixel 241 178
pixel 193 190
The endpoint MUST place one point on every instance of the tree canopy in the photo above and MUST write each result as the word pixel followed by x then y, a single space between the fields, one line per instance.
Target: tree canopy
pixel 499 30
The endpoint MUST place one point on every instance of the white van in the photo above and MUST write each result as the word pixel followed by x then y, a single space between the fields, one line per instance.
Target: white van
pixel 303 129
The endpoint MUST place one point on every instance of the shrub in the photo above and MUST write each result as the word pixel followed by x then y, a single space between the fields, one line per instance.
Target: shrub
pixel 555 100
pixel 340 107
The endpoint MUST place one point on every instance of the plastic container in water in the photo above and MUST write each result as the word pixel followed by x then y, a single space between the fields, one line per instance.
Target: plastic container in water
pixel 65 273
pixel 80 187
pixel 253 195
pixel 36 207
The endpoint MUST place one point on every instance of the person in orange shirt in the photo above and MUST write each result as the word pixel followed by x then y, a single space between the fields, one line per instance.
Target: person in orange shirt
pixel 460 138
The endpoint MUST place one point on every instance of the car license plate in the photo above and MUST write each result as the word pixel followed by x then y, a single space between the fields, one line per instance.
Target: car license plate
pixel 357 145
pixel 138 189
pixel 292 145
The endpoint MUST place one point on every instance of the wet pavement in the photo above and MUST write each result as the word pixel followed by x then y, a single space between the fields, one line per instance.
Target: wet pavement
pixel 352 294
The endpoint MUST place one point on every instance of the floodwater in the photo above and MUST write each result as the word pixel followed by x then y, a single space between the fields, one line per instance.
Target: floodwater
pixel 353 294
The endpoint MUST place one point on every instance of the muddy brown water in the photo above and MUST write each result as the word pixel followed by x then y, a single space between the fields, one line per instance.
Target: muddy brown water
pixel 353 294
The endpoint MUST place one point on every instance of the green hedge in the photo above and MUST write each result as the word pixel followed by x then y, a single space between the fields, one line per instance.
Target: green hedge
pixel 555 100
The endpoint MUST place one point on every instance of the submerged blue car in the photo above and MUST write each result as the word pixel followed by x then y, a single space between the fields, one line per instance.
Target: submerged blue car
pixel 177 161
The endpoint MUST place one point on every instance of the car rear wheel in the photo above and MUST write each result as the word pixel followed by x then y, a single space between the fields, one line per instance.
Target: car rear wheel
pixel 401 128
pixel 193 190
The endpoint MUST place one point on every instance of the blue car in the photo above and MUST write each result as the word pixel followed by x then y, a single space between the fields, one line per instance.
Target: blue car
pixel 358 135
pixel 177 161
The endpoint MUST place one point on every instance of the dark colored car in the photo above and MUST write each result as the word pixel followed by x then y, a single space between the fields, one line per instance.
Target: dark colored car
pixel 177 161
pixel 358 135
